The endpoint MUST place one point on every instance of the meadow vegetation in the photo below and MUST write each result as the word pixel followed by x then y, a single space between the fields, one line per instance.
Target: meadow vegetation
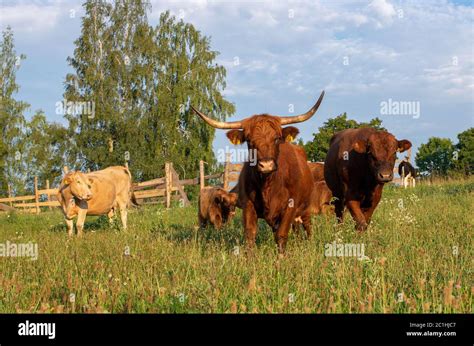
pixel 418 258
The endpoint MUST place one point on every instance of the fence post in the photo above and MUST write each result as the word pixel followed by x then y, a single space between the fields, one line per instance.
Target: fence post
pixel 226 172
pixel 10 194
pixel 36 196
pixel 201 175
pixel 47 194
pixel 179 187
pixel 168 184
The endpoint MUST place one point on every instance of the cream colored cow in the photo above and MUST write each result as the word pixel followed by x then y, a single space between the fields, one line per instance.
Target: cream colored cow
pixel 96 193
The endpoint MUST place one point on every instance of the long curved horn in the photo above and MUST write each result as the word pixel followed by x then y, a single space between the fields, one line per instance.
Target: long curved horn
pixel 218 124
pixel 303 117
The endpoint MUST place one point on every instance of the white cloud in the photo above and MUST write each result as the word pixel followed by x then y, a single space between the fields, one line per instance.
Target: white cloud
pixel 30 18
pixel 383 9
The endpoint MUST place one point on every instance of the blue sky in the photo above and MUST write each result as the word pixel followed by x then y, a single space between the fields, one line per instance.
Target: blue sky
pixel 361 53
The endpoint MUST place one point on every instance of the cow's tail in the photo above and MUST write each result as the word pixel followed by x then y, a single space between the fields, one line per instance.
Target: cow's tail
pixel 133 198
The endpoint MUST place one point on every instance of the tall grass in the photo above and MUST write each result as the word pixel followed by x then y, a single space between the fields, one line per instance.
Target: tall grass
pixel 418 258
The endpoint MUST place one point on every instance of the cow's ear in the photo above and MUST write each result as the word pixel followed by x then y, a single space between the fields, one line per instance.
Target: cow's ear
pixel 289 133
pixel 403 145
pixel 236 136
pixel 68 178
pixel 360 146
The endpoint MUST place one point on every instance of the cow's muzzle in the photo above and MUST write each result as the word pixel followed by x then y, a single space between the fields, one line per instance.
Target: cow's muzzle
pixel 86 197
pixel 384 177
pixel 266 166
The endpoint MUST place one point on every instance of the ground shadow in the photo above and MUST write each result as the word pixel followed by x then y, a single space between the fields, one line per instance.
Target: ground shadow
pixel 92 224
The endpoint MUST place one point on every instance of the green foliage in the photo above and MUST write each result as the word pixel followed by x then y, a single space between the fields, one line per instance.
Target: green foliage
pixel 44 146
pixel 464 162
pixel 317 148
pixel 11 114
pixel 142 81
pixel 435 156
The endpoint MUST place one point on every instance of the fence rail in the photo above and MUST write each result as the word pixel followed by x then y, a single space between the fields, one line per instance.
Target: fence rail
pixel 154 191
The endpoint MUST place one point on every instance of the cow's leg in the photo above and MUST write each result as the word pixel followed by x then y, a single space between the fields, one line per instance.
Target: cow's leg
pixel 216 220
pixel 306 217
pixel 414 181
pixel 406 181
pixel 281 234
pixel 250 223
pixel 81 217
pixel 357 214
pixel 339 209
pixel 377 195
pixel 202 221
pixel 123 215
pixel 70 226
pixel 110 215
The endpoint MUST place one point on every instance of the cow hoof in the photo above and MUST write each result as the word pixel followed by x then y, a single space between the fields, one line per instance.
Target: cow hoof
pixel 361 227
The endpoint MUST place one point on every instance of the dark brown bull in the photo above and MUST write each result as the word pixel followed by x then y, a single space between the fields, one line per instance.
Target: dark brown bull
pixel 358 164
pixel 278 188
pixel 216 206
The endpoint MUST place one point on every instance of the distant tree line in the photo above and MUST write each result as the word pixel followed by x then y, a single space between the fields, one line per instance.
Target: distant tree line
pixel 128 98
pixel 441 157
pixel 437 157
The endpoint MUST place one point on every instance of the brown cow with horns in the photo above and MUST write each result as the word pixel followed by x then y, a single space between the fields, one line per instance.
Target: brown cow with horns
pixel 278 188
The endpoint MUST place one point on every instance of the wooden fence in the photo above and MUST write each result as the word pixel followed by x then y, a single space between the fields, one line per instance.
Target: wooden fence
pixel 159 190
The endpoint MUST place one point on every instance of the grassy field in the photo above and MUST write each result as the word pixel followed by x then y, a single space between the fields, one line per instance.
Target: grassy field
pixel 418 258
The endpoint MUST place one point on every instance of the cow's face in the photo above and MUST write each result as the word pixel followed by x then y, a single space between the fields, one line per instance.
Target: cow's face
pixel 79 184
pixel 381 149
pixel 263 134
pixel 226 202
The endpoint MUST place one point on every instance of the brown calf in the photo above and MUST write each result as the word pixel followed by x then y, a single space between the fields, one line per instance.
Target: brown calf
pixel 320 198
pixel 216 206
pixel 317 170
